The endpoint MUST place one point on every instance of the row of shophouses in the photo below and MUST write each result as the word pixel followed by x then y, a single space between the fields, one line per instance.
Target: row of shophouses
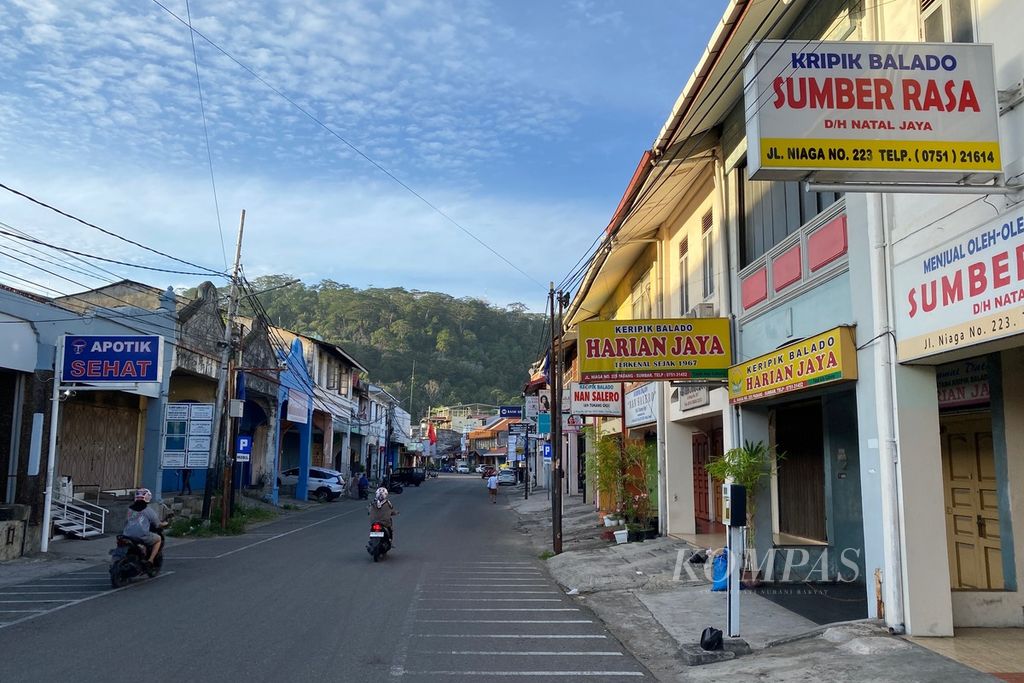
pixel 305 403
pixel 904 469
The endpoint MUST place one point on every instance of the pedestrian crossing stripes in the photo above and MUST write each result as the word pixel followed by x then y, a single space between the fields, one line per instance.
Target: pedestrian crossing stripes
pixel 515 632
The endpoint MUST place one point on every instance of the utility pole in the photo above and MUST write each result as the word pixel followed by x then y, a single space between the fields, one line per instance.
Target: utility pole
pixel 556 432
pixel 412 418
pixel 222 378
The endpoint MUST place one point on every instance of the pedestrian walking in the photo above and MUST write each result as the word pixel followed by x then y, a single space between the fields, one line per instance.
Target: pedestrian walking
pixel 492 486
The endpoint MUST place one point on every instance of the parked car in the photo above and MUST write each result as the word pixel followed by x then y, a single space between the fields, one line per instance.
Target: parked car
pixel 324 484
pixel 409 476
pixel 507 478
pixel 462 469
pixel 480 469
pixel 487 472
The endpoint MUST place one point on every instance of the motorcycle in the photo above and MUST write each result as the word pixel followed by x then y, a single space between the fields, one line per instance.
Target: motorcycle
pixel 127 560
pixel 380 541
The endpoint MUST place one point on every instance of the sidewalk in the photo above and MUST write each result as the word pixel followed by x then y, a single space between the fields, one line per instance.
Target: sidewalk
pixel 648 600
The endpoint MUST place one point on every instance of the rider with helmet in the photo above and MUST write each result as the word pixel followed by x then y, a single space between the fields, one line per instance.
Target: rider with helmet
pixel 141 521
pixel 381 510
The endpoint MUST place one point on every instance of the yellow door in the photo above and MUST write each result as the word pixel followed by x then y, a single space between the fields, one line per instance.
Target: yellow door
pixel 972 503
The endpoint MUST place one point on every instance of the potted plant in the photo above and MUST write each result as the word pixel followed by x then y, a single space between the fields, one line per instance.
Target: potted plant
pixel 604 469
pixel 746 465
pixel 636 493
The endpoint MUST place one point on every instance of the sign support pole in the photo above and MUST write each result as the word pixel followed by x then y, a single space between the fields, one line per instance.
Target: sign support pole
pixel 733 566
pixel 225 356
pixel 51 451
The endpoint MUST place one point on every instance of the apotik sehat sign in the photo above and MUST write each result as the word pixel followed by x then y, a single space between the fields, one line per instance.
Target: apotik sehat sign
pixel 114 358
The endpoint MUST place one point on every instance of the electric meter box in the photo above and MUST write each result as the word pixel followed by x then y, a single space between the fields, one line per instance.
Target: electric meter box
pixel 734 505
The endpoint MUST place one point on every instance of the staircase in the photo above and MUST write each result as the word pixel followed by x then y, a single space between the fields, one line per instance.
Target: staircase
pixel 76 518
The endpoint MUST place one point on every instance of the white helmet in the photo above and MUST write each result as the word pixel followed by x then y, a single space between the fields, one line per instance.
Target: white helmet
pixel 144 494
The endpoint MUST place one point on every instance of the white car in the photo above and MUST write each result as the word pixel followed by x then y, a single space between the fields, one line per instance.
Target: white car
pixel 480 469
pixel 506 478
pixel 323 484
pixel 462 469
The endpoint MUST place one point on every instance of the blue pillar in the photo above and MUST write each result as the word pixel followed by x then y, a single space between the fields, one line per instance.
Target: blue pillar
pixel 305 455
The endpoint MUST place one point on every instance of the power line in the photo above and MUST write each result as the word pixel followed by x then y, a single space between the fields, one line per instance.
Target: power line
pixel 305 112
pixel 206 133
pixel 207 271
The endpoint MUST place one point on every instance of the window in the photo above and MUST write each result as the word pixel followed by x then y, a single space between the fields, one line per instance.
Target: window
pixel 947 21
pixel 332 375
pixel 770 210
pixel 684 279
pixel 708 264
pixel 642 297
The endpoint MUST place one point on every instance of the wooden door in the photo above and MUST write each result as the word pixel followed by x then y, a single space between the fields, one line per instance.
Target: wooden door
pixel 701 502
pixel 972 503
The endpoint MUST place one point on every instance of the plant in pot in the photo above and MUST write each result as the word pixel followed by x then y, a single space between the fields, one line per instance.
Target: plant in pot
pixel 604 469
pixel 636 490
pixel 746 465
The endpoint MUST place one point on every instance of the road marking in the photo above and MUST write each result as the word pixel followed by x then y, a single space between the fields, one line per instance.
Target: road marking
pixel 559 636
pixel 532 653
pixel 505 621
pixel 531 609
pixel 282 535
pixel 3 592
pixel 39 613
pixel 493 599
pixel 20 611
pixel 526 673
pixel 7 602
pixel 498 593
pixel 402 650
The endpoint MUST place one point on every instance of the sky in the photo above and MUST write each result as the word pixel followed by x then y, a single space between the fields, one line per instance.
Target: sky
pixel 521 121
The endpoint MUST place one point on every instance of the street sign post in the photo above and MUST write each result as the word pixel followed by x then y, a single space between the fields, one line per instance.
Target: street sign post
pixel 243 448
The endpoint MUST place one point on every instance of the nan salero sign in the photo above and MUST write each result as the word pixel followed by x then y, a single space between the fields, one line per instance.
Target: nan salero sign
pixel 114 358
pixel 675 349
pixel 828 357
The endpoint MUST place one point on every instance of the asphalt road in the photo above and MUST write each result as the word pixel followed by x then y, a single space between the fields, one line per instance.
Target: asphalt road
pixel 461 597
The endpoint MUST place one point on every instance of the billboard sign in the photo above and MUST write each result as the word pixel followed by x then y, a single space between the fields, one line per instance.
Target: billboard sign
pixel 679 349
pixel 111 358
pixel 640 405
pixel 879 112
pixel 822 359
pixel 962 292
pixel 510 411
pixel 188 430
pixel 595 399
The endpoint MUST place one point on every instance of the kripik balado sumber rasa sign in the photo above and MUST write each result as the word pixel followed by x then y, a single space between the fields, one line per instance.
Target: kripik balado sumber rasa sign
pixel 965 291
pixel 676 349
pixel 879 112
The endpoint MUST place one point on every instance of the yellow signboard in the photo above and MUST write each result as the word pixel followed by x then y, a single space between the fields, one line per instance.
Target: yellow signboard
pixel 676 349
pixel 825 358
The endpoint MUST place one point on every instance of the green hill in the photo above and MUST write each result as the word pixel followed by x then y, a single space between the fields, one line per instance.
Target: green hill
pixel 466 350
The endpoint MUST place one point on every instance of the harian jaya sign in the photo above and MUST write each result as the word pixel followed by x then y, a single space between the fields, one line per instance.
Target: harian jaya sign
pixel 828 357
pixel 965 291
pixel 637 350
pixel 889 112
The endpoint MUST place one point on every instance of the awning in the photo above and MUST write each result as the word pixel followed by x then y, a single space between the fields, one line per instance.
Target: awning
pixel 18 345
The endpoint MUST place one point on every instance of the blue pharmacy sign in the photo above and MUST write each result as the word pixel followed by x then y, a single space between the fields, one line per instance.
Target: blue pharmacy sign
pixel 510 411
pixel 111 358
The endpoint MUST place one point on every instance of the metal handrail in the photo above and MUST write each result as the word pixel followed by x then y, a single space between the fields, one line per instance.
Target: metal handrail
pixel 79 510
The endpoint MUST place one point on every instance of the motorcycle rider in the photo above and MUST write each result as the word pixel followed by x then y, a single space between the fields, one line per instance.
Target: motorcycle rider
pixel 141 521
pixel 382 510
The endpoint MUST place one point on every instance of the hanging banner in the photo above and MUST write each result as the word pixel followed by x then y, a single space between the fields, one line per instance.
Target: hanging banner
pixel 595 399
pixel 298 407
pixel 828 357
pixel 680 349
pixel 640 405
pixel 878 112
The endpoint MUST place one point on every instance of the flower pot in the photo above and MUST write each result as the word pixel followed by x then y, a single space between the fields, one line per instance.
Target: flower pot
pixel 621 536
pixel 610 520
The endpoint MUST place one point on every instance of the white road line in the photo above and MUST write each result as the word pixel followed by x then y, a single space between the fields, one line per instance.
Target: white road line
pixel 402 650
pixel 282 535
pixel 9 602
pixel 531 609
pixel 549 636
pixel 492 599
pixel 505 621
pixel 492 673
pixel 20 611
pixel 75 602
pixel 4 593
pixel 435 592
pixel 533 653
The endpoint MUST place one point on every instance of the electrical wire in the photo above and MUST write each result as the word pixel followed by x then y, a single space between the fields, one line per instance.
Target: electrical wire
pixel 110 233
pixel 312 117
pixel 206 133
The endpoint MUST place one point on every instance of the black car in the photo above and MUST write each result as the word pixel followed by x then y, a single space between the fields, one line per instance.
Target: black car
pixel 409 476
